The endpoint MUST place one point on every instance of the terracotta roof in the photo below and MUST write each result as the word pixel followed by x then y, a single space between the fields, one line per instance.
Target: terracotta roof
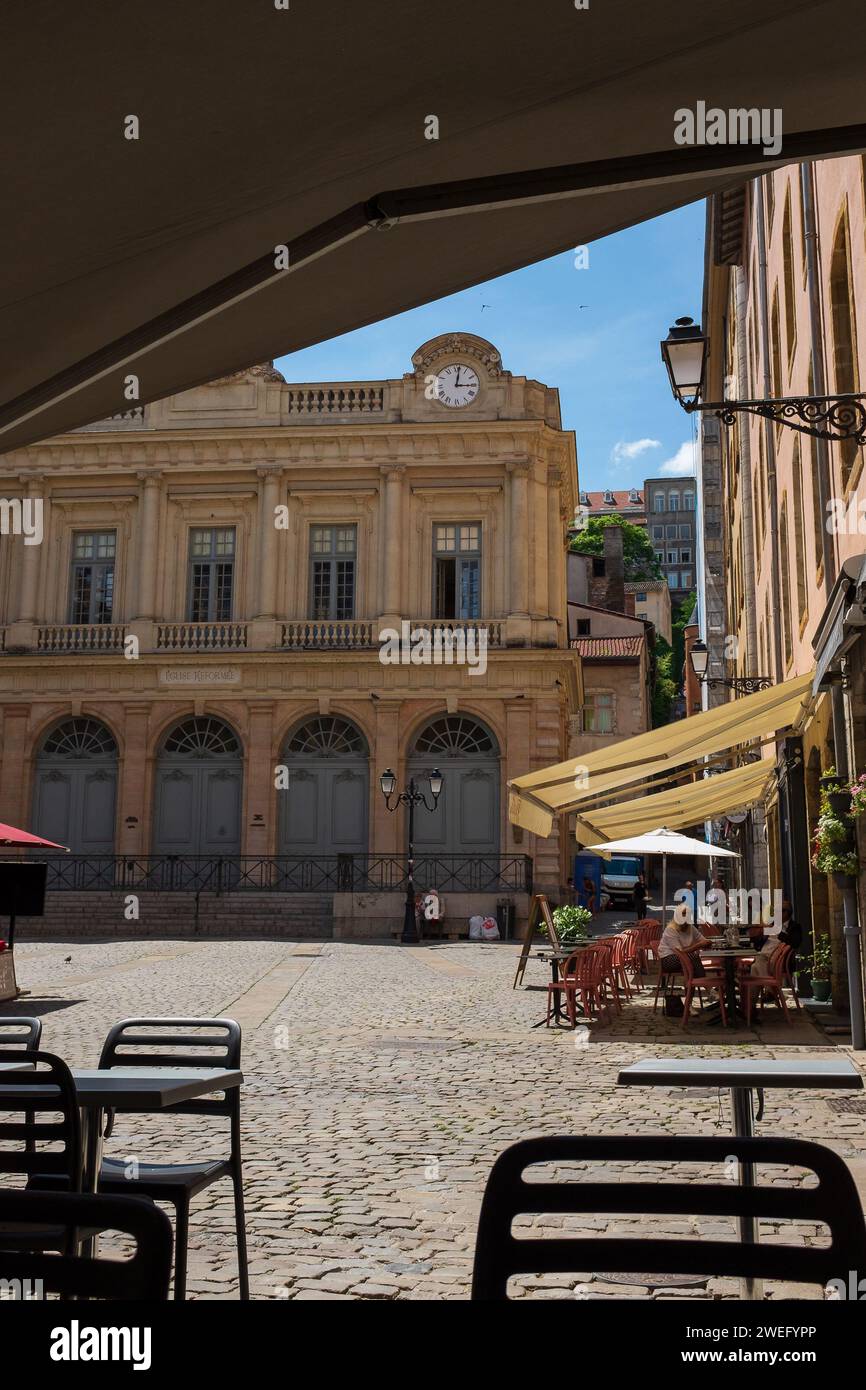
pixel 620 499
pixel 590 647
pixel 635 586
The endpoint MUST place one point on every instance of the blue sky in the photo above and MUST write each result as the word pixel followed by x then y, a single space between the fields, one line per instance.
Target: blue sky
pixel 604 358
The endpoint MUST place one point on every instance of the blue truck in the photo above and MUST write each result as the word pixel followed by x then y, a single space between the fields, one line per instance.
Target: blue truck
pixel 614 879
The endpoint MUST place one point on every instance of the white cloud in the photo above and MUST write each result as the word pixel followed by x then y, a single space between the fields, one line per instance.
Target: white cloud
pixel 627 449
pixel 683 463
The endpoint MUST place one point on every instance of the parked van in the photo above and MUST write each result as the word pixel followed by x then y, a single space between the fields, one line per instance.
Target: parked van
pixel 618 878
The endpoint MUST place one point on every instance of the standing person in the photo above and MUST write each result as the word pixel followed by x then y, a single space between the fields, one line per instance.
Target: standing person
pixel 717 902
pixel 589 893
pixel 640 897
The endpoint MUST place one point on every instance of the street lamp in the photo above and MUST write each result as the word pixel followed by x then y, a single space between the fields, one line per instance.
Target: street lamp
pixel 744 685
pixel 411 798
pixel 684 353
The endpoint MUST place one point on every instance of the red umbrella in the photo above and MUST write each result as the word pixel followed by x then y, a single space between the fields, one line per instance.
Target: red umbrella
pixel 10 836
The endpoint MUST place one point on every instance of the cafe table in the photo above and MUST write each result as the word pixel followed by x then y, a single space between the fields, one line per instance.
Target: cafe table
pixel 742 1076
pixel 127 1090
pixel 729 955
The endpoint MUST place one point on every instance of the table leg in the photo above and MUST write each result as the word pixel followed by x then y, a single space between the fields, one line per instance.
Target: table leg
pixel 741 1113
pixel 91 1145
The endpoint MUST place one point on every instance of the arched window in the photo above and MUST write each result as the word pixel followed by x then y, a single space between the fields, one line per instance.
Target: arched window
pixel 201 737
pixel 659 502
pixel 453 736
pixel 844 332
pixel 673 501
pixel 79 738
pixel 327 736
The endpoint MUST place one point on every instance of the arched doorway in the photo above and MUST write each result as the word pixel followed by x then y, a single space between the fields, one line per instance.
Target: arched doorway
pixel 466 819
pixel 324 809
pixel 76 787
pixel 199 787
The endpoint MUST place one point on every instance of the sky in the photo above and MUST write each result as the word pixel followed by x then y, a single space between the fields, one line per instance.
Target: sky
pixel 593 332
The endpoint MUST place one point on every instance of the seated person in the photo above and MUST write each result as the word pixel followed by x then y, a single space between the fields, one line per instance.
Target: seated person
pixel 790 933
pixel 681 935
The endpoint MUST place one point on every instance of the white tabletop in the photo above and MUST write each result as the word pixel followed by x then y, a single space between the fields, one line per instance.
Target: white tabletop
pixel 837 1073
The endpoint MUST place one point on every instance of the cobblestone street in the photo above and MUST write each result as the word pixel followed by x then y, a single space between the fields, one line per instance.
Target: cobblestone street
pixel 381 1083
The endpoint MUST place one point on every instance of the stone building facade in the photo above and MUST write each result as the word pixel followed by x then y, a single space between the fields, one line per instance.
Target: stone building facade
pixel 191 661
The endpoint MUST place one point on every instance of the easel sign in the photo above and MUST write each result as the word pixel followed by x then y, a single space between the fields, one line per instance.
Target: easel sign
pixel 539 914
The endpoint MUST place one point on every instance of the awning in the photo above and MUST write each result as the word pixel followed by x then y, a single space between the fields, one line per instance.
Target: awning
pixel 306 126
pixel 840 625
pixel 687 804
pixel 536 798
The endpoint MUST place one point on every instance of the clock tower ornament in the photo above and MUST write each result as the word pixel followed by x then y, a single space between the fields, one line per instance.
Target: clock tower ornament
pixel 456 385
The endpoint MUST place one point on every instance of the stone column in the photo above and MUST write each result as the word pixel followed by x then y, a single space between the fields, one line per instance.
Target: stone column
pixel 260 795
pixel 518 626
pixel 391 605
pixel 135 787
pixel 22 632
pixel 550 630
pixel 264 632
pixel 142 600
pixel 386 826
pixel 15 765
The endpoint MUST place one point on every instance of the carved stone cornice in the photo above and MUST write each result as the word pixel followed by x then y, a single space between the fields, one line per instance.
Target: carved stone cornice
pixel 458 344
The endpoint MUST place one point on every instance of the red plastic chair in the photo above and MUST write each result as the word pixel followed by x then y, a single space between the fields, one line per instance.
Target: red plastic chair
pixel 770 984
pixel 631 955
pixel 583 974
pixel 712 980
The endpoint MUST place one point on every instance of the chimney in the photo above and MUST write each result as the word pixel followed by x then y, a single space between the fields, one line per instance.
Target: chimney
pixel 614 568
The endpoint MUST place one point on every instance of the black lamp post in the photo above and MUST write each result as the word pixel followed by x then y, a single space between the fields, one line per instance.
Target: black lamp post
pixel 684 353
pixel 411 797
pixel 744 685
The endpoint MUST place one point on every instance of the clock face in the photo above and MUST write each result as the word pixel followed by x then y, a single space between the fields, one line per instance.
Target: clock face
pixel 456 384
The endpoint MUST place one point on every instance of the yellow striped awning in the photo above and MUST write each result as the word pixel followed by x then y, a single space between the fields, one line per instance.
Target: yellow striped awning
pixel 676 807
pixel 536 798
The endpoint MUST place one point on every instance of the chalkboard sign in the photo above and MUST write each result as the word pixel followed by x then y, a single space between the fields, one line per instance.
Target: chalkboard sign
pixel 539 912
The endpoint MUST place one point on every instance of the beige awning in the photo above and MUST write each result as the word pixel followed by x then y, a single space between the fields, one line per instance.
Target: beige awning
pixel 536 798
pixel 680 806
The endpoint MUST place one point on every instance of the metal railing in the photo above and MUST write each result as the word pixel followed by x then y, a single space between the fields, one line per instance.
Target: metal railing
pixel 280 873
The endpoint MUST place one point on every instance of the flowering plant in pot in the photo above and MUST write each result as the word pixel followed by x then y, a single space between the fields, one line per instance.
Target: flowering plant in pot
pixel 833 846
pixel 858 795
pixel 571 923
pixel 820 962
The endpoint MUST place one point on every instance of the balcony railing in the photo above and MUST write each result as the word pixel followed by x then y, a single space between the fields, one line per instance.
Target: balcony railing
pixel 279 873
pixel 315 635
pixel 80 637
pixel 201 637
pixel 354 398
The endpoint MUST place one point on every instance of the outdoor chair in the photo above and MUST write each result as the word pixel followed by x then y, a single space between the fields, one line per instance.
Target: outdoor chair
pixel 181 1042
pixel 584 974
pixel 650 933
pixel 41 1138
pixel 664 984
pixel 20 1032
pixel 143 1277
pixel 605 948
pixel 833 1203
pixel 631 956
pixel 618 960
pixel 772 983
pixel 713 980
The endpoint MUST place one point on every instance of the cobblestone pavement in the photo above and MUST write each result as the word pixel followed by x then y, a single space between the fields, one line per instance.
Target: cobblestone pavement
pixel 381 1083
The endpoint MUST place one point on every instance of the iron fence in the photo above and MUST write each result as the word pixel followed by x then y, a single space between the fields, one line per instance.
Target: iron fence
pixel 339 873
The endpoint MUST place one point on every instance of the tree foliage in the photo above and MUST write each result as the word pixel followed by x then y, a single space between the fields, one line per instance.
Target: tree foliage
pixel 639 561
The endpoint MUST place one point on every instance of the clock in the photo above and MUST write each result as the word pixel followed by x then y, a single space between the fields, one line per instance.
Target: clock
pixel 457 384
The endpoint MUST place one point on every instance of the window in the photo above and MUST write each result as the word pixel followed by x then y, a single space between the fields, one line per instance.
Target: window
pixel 457 569
pixel 609 498
pixel 584 499
pixel 685 557
pixel 686 579
pixel 673 557
pixel 688 501
pixel 776 348
pixel 598 713
pixel 844 334
pixel 211 573
pixel 785 573
pixel 673 580
pixel 659 502
pixel 598 570
pixel 584 627
pixel 640 598
pixel 685 533
pixel 333 556
pixel 788 271
pixel 799 532
pixel 671 532
pixel 660 556
pixel 658 533
pixel 633 495
pixel 91 590
pixel 673 501
pixel 642 616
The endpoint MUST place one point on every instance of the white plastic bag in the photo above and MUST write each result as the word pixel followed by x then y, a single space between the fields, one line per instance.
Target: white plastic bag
pixel 475 924
pixel 489 929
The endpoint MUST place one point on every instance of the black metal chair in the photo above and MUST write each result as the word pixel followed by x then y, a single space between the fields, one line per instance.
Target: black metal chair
pixel 182 1042
pixel 21 1032
pixel 143 1277
pixel 44 1137
pixel 834 1202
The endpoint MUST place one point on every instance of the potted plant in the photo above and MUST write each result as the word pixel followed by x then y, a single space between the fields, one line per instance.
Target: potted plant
pixel 571 924
pixel 834 850
pixel 820 963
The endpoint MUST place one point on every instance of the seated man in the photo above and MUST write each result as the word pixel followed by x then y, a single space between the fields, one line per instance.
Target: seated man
pixel 790 933
pixel 681 935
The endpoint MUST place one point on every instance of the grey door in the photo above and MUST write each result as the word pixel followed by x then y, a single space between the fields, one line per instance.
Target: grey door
pixel 466 818
pixel 323 812
pixel 199 789
pixel 75 792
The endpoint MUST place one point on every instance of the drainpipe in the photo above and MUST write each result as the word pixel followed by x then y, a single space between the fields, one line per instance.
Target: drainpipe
pixel 747 506
pixel 850 914
pixel 769 437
